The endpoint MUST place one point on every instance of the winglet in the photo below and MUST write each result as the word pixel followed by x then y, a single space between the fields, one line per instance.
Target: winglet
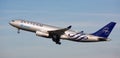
pixel 69 27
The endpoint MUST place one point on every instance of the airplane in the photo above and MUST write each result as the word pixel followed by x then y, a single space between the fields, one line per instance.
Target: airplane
pixel 57 33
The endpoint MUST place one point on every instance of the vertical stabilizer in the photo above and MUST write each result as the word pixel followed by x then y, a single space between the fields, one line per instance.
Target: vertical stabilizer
pixel 105 31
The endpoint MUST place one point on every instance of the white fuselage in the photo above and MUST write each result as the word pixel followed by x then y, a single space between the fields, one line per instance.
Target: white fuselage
pixel 42 30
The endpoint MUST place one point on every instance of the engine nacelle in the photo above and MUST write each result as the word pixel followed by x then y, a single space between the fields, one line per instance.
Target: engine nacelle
pixel 44 34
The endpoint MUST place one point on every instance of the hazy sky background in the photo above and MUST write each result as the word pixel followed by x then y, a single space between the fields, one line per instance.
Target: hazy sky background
pixel 87 15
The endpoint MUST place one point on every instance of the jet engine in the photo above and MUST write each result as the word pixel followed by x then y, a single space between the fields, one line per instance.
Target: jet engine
pixel 43 34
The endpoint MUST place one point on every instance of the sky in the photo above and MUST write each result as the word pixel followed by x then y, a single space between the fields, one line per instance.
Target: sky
pixel 83 15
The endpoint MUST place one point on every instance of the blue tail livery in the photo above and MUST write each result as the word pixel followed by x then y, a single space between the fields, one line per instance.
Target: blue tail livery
pixel 105 31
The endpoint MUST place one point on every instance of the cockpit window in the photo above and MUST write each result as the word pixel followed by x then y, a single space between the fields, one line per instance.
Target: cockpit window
pixel 13 20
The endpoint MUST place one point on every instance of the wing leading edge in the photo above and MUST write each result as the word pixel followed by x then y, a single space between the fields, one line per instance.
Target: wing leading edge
pixel 55 35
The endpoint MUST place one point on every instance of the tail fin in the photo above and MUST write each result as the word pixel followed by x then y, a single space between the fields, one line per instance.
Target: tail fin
pixel 105 31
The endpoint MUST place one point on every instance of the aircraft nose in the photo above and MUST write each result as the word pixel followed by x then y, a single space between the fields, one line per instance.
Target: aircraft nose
pixel 11 23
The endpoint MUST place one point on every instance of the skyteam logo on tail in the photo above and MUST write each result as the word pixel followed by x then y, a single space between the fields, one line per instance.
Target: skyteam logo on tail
pixel 106 30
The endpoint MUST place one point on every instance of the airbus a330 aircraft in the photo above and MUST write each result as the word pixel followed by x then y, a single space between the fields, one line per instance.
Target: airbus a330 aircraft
pixel 56 33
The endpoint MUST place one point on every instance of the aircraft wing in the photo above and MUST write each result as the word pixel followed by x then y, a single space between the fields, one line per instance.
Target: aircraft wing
pixel 60 31
pixel 55 34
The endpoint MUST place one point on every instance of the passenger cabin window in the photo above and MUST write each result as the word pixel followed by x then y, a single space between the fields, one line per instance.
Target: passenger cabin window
pixel 37 24
pixel 29 22
pixel 24 22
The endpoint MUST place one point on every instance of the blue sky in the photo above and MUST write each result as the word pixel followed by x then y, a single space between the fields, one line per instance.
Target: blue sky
pixel 87 15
